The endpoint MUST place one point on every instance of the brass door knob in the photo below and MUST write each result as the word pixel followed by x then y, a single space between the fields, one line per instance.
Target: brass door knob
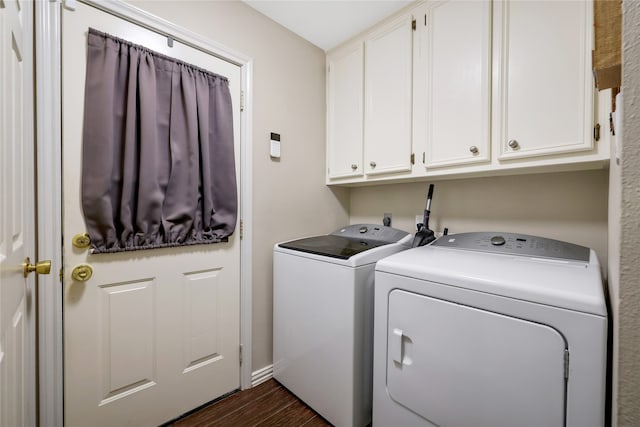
pixel 82 272
pixel 41 267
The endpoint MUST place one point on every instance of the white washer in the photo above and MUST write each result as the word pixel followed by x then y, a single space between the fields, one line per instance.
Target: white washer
pixel 323 318
pixel 489 329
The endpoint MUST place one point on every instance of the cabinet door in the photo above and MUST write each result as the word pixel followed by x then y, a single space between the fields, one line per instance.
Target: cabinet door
pixel 388 72
pixel 546 84
pixel 454 102
pixel 345 112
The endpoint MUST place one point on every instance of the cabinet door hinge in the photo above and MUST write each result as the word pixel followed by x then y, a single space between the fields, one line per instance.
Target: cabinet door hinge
pixel 241 229
pixel 413 158
pixel 61 274
pixel 566 363
pixel 596 132
pixel 413 25
pixel 240 354
pixel 425 19
pixel 241 100
pixel 423 159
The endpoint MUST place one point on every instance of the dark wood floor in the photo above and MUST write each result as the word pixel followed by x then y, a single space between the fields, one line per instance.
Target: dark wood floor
pixel 268 404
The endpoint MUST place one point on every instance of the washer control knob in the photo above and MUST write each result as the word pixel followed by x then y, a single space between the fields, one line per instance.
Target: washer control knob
pixel 363 230
pixel 498 241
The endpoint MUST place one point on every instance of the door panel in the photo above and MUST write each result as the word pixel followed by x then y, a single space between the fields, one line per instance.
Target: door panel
pixel 127 335
pixel 153 333
pixel 456 365
pixel 17 299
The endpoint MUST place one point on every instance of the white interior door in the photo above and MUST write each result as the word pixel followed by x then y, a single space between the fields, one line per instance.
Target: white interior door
pixel 153 333
pixel 17 293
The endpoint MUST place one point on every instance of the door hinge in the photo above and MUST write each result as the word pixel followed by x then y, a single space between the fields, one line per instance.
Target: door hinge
pixel 61 274
pixel 596 132
pixel 413 158
pixel 566 363
pixel 241 229
pixel 240 354
pixel 413 25
pixel 241 100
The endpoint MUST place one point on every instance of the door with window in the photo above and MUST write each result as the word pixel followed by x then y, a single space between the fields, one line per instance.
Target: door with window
pixel 149 334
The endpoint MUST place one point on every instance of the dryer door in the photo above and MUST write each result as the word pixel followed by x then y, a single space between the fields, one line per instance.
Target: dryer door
pixel 456 365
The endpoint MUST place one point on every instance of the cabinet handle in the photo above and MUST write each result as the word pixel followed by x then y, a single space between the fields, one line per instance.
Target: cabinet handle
pixel 473 149
pixel 372 164
pixel 354 166
pixel 514 144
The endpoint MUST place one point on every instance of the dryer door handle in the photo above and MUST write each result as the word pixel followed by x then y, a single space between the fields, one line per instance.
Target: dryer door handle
pixel 395 345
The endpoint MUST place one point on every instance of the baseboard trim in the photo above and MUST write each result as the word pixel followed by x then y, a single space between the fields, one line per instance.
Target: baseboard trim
pixel 261 375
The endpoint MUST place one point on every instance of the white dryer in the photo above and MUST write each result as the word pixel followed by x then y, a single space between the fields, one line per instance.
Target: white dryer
pixel 323 318
pixel 490 330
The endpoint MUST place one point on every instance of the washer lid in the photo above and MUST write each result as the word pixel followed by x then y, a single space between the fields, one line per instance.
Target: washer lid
pixel 332 246
pixel 348 241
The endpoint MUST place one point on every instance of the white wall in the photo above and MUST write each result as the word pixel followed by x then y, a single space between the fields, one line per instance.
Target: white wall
pixel 625 230
pixel 290 199
pixel 570 206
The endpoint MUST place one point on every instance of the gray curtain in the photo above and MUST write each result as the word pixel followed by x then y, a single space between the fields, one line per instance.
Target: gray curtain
pixel 158 160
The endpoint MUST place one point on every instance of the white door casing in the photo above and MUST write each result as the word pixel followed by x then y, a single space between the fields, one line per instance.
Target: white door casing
pixel 17 222
pixel 154 333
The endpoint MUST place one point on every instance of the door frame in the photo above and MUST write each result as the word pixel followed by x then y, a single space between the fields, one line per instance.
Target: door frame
pixel 49 184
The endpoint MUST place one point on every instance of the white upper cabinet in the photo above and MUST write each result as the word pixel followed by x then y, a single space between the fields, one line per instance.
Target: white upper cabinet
pixel 345 111
pixel 388 94
pixel 473 87
pixel 545 87
pixel 452 78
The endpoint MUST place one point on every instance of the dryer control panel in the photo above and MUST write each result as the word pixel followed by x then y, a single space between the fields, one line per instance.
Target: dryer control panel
pixel 515 244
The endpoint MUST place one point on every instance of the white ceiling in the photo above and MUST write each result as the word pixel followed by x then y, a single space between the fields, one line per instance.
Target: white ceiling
pixel 327 23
